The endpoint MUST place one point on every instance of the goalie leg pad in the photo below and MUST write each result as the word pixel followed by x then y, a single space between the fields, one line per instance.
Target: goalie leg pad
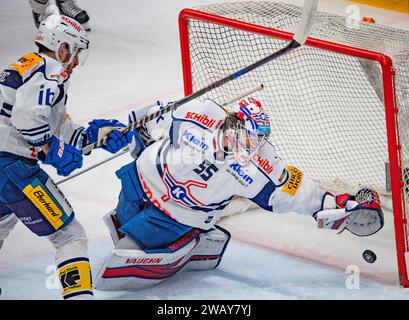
pixel 209 252
pixel 128 269
pixel 7 223
pixel 111 221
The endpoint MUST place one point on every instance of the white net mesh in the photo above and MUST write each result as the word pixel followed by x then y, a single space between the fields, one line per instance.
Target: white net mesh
pixel 326 108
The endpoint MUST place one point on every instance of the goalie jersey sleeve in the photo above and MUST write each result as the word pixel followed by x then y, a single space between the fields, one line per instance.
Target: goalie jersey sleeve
pixel 33 96
pixel 187 176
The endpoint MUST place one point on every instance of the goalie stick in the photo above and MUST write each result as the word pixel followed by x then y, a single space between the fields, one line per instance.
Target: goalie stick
pixel 125 150
pixel 300 37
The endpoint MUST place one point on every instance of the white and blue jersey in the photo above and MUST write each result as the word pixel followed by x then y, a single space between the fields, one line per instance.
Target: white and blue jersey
pixel 186 175
pixel 33 96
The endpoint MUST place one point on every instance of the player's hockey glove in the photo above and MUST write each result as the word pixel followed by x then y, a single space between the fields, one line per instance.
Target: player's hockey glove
pixel 116 139
pixel 63 157
pixel 360 214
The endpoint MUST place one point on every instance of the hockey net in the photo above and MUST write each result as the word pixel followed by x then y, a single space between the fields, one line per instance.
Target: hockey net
pixel 339 106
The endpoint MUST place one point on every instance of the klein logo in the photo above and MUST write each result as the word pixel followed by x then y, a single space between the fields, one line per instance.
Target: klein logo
pixel 200 118
pixel 190 138
pixel 45 97
pixel 237 169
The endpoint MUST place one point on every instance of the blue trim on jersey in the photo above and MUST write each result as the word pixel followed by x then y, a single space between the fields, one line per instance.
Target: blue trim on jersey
pixel 32 134
pixel 161 156
pixel 34 129
pixel 76 136
pixel 60 95
pixel 206 209
pixel 42 70
pixel 5 114
pixel 174 134
pixel 262 198
pixel 13 80
pixel 7 106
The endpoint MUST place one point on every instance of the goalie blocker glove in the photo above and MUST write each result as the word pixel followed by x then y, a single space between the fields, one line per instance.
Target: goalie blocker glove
pixel 360 214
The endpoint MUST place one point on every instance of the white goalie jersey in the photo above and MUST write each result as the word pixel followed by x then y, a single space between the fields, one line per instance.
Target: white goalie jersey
pixel 186 174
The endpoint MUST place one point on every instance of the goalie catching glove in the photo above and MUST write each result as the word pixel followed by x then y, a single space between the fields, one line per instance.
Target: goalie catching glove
pixel 360 214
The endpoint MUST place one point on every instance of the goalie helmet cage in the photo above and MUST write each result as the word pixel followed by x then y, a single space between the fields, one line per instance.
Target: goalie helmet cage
pixel 339 105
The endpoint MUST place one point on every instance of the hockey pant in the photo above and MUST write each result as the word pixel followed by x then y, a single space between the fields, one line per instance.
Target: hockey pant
pixel 27 193
pixel 139 219
pixel 130 269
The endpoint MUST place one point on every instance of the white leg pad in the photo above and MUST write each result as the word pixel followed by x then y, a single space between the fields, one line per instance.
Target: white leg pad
pixel 112 223
pixel 129 269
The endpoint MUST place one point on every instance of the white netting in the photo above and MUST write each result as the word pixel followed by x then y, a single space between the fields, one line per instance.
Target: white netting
pixel 326 108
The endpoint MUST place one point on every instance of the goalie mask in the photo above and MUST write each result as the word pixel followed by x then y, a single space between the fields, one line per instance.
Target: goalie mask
pixel 249 130
pixel 56 30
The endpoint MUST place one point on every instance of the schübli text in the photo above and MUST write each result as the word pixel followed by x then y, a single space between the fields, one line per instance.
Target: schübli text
pixel 201 118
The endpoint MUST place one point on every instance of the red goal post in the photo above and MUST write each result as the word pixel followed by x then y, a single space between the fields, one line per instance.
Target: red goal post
pixel 213 20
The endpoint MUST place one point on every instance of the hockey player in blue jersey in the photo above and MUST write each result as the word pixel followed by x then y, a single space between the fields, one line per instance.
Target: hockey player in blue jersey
pixel 190 164
pixel 34 124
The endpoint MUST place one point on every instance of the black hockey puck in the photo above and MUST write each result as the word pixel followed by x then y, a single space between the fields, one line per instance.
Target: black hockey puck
pixel 369 256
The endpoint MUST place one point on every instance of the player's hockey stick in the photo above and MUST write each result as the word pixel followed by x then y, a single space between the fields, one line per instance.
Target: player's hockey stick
pixel 299 39
pixel 125 150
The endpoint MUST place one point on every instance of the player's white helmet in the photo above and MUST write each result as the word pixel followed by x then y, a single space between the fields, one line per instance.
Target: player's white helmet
pixel 58 29
pixel 251 129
